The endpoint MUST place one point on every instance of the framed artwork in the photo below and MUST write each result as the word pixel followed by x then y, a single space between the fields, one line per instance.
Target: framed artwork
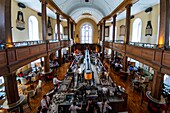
pixel 107 31
pixel 65 30
pixel 20 23
pixel 122 30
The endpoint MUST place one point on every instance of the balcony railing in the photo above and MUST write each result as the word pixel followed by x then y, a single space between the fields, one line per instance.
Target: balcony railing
pixel 28 43
pixel 2 46
pixel 53 40
pixel 145 45
pixel 119 41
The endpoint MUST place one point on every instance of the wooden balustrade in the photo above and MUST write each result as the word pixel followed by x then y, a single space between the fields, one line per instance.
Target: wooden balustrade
pixel 119 47
pixel 153 57
pixel 15 57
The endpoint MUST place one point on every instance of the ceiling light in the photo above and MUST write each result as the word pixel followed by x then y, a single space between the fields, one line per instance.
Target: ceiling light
pixel 86 0
pixel 87 14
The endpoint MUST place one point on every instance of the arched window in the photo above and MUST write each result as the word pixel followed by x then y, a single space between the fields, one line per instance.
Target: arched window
pixel 111 32
pixel 61 31
pixel 137 30
pixel 86 33
pixel 33 28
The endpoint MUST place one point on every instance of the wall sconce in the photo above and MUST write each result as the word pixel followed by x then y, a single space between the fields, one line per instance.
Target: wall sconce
pixel 21 5
pixel 148 10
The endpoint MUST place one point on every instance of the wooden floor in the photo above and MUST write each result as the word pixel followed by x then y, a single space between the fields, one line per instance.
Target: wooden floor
pixel 134 98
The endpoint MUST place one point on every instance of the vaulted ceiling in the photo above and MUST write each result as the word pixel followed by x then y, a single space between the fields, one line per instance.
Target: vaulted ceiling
pixel 94 9
pixel 97 8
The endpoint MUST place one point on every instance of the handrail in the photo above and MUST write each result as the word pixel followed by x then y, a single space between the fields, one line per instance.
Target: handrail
pixel 2 46
pixel 28 43
pixel 119 41
pixel 53 40
pixel 146 45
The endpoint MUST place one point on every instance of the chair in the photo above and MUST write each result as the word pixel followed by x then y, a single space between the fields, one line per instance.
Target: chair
pixel 164 107
pixel 144 97
pixel 137 86
pixel 39 86
pixel 154 108
pixel 32 91
pixel 27 101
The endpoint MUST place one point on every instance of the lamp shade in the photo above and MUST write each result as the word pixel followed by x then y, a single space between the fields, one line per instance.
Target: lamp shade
pixel 88 76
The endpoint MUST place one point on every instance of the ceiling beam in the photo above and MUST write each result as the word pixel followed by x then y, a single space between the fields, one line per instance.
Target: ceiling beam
pixel 118 10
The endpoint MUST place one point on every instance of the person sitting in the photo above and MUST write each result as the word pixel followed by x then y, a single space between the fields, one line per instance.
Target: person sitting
pixel 103 106
pixel 21 74
pixel 39 109
pixel 45 102
pixel 89 106
pixel 56 82
pixel 73 108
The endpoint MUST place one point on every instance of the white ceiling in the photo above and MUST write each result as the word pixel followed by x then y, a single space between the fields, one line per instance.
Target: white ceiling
pixel 97 8
pixel 141 5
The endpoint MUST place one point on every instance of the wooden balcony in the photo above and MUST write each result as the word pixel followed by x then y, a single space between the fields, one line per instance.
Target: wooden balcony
pixel 149 56
pixel 19 56
pixel 119 47
pixel 166 62
pixel 53 46
pixel 26 52
pixel 108 44
pixel 3 62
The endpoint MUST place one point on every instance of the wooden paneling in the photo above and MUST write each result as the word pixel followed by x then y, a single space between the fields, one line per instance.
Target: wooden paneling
pixel 158 56
pixel 3 59
pixel 147 53
pixel 133 50
pixel 54 46
pixel 34 50
pixel 19 64
pixel 11 55
pixel 166 58
pixel 42 48
pixel 144 53
pixel 165 70
pixel 108 44
pixel 22 53
pixel 119 47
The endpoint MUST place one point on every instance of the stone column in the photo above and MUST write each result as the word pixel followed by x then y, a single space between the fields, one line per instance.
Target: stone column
pixel 44 35
pixel 157 85
pixel 5 26
pixel 103 40
pixel 114 25
pixel 127 34
pixel 68 26
pixel 72 31
pixel 163 40
pixel 11 89
pixel 59 38
pixel 113 37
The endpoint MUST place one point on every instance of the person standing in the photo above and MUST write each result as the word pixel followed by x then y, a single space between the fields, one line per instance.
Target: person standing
pixel 45 103
pixel 73 108
pixel 89 106
pixel 103 106
pixel 56 82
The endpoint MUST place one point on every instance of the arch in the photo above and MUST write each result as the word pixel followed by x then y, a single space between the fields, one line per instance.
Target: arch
pixel 86 32
pixel 137 30
pixel 111 32
pixel 33 28
pixel 61 29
